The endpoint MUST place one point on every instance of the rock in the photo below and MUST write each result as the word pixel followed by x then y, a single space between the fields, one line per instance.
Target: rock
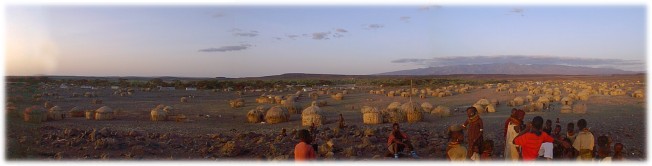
pixel 369 132
pixel 230 149
pixel 376 157
pixel 281 158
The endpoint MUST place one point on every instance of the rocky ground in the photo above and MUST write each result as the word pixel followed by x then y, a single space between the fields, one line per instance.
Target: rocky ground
pixel 217 132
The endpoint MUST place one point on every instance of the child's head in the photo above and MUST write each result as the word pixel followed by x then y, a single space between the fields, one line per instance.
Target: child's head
pixel 488 145
pixel 603 140
pixel 570 127
pixel 557 129
pixel 581 124
pixel 548 123
pixel 471 111
pixel 618 148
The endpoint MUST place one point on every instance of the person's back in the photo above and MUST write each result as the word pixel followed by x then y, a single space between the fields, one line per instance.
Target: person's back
pixel 584 141
pixel 303 150
pixel 531 140
pixel 456 152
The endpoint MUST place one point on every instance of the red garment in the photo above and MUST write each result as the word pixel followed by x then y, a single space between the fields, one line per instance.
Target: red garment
pixel 392 138
pixel 519 114
pixel 530 144
pixel 304 152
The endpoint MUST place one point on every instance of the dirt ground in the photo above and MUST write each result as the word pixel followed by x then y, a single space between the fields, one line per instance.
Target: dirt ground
pixel 216 131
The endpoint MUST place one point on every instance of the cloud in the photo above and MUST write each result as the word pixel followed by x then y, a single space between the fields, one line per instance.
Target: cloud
pixel 427 8
pixel 405 19
pixel 518 59
pixel 516 11
pixel 320 35
pixel 227 48
pixel 340 30
pixel 218 15
pixel 292 36
pixel 373 26
pixel 243 33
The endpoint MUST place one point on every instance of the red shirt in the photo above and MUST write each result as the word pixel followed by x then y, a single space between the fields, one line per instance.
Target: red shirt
pixel 303 152
pixel 530 144
pixel 391 138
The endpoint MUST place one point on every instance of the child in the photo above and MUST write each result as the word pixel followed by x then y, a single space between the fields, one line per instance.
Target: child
pixel 570 132
pixel 303 151
pixel 604 149
pixel 454 150
pixel 474 127
pixel 548 127
pixel 488 147
pixel 584 141
pixel 618 152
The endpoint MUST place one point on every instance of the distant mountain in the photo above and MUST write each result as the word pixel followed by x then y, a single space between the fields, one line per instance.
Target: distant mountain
pixel 510 69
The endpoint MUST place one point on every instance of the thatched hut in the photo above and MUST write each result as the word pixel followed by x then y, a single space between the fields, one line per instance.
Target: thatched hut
pixel 104 113
pixel 583 96
pixel 413 111
pixel 441 111
pixel 529 98
pixel 184 99
pixel 48 105
pixel 263 108
pixel 237 103
pixel 394 106
pixel 566 101
pixel 55 113
pixel 566 109
pixel 35 114
pixel 278 99
pixel 391 93
pixel 518 101
pixel 312 115
pixel 371 115
pixel 277 114
pixel 491 108
pixel 76 112
pixel 292 106
pixel 255 116
pixel 338 96
pixel 422 95
pixel 638 94
pixel 479 107
pixel 158 114
pixel 427 107
pixel 89 114
pixel 579 108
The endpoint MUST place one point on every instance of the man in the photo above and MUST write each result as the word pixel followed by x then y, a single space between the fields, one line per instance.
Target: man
pixel 548 127
pixel 584 141
pixel 454 150
pixel 303 151
pixel 604 149
pixel 512 128
pixel 474 127
pixel 531 139
pixel 398 141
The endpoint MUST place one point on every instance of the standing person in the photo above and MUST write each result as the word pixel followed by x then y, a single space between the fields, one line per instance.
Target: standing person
pixel 557 149
pixel 398 141
pixel 474 127
pixel 531 139
pixel 512 128
pixel 303 151
pixel 584 141
pixel 570 132
pixel 454 150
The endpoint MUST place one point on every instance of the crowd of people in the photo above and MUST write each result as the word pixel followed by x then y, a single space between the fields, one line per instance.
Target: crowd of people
pixel 533 140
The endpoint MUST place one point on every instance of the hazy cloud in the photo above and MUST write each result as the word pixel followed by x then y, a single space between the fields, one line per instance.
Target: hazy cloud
pixel 227 48
pixel 427 8
pixel 341 30
pixel 373 26
pixel 292 36
pixel 405 19
pixel 218 15
pixel 516 11
pixel 321 35
pixel 243 33
pixel 518 59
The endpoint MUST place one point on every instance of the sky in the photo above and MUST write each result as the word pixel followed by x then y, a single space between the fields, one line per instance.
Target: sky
pixel 251 41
